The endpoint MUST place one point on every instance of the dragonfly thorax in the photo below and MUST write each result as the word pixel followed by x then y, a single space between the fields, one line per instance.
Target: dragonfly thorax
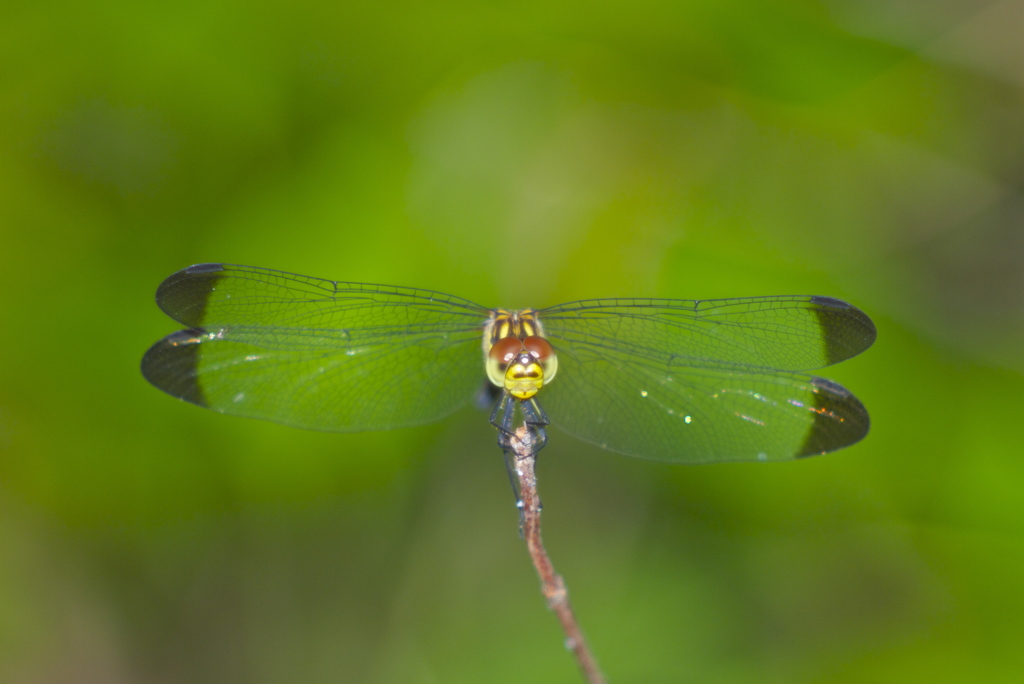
pixel 516 355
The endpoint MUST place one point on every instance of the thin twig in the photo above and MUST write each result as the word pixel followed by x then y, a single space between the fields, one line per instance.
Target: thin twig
pixel 552 585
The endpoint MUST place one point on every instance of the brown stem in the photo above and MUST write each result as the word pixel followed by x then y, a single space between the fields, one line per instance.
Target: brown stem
pixel 552 585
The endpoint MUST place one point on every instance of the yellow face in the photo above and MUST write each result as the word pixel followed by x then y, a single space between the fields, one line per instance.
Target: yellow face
pixel 524 376
pixel 516 355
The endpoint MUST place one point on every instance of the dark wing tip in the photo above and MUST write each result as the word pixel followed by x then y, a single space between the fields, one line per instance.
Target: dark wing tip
pixel 848 330
pixel 202 268
pixel 183 295
pixel 172 363
pixel 831 302
pixel 840 419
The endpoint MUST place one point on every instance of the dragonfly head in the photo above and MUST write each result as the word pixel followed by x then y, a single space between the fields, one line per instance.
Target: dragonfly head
pixel 522 367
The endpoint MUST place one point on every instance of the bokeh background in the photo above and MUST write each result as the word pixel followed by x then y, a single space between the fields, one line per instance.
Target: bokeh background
pixel 515 154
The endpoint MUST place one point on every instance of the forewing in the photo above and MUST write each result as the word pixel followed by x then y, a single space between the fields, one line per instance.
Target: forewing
pixel 315 353
pixel 789 333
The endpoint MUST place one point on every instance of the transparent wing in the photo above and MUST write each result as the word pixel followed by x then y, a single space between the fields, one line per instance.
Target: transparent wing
pixel 692 381
pixel 694 415
pixel 315 353
pixel 789 333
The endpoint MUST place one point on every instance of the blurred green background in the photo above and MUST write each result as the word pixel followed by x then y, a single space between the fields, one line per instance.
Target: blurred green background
pixel 515 154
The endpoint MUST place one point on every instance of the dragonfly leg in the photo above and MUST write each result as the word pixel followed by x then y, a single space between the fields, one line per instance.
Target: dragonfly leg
pixel 520 425
pixel 513 478
pixel 502 418
pixel 510 414
pixel 536 420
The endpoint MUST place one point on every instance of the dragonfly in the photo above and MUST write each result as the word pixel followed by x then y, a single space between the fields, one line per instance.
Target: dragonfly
pixel 683 381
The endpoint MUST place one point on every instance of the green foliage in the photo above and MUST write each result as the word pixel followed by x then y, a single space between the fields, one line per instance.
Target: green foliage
pixel 515 155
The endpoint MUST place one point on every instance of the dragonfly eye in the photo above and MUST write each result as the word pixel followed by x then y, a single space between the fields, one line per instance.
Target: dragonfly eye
pixel 541 349
pixel 521 366
pixel 501 354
